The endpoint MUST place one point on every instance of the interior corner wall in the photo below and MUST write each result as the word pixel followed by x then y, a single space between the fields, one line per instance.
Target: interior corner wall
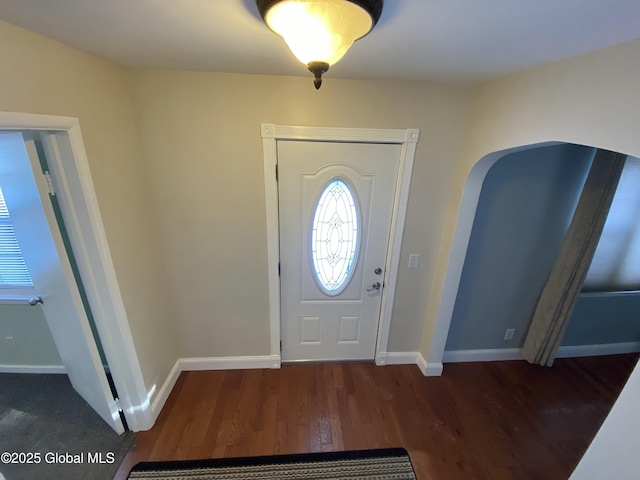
pixel 39 75
pixel 200 135
pixel 590 99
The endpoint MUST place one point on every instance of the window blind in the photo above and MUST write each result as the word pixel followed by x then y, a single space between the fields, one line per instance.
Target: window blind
pixel 13 270
pixel 616 263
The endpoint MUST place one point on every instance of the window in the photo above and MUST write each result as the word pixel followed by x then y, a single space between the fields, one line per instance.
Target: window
pixel 334 237
pixel 13 270
pixel 616 263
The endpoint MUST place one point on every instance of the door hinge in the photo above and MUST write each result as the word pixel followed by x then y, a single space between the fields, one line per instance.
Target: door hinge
pixel 276 172
pixel 278 268
pixel 117 402
pixel 281 345
pixel 47 177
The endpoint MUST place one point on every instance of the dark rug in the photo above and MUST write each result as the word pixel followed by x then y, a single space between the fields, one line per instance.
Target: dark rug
pixel 387 464
pixel 43 414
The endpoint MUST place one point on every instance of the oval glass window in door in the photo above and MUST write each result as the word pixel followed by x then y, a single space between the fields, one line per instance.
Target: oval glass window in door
pixel 335 237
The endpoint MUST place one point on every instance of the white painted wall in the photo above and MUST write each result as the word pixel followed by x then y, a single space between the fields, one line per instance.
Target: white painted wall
pixel 614 451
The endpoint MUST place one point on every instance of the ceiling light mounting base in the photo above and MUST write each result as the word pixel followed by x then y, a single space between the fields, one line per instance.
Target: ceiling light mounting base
pixel 318 68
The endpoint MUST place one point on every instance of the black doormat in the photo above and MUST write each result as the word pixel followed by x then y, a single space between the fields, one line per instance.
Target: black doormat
pixel 387 464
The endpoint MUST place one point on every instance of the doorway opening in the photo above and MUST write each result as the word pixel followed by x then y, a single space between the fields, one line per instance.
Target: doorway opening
pixel 309 328
pixel 54 285
pixel 70 180
pixel 526 220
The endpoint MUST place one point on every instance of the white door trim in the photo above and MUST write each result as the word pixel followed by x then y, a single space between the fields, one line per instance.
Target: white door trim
pixel 70 173
pixel 408 140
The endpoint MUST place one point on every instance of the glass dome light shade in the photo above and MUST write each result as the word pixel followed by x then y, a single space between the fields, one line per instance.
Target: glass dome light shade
pixel 319 30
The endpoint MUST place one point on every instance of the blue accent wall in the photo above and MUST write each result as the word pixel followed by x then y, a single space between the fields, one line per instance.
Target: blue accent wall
pixel 604 319
pixel 524 209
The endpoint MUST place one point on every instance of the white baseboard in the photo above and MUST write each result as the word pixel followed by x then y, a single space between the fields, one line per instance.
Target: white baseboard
pixel 481 355
pixel 276 361
pixel 402 358
pixel 225 363
pixel 165 390
pixel 415 358
pixel 32 369
pixel 596 350
pixel 501 354
pixel 432 369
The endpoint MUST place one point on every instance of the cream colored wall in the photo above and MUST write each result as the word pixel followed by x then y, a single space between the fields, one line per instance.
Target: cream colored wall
pixel 591 99
pixel 196 198
pixel 200 134
pixel 38 75
pixel 33 341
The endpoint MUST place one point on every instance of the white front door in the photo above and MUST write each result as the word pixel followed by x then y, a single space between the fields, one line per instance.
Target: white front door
pixel 335 206
pixel 32 216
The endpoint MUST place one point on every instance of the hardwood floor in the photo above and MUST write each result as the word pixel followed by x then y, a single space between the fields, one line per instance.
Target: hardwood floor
pixel 493 420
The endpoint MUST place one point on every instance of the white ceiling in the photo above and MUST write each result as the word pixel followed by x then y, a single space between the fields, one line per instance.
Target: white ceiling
pixel 461 41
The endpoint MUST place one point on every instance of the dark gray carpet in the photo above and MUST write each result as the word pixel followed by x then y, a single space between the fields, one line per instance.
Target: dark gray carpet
pixel 43 414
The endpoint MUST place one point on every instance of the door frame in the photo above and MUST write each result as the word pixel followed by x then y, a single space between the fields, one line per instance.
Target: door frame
pixel 271 134
pixel 72 182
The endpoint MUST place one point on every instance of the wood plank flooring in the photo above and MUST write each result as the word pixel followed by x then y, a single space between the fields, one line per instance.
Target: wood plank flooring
pixel 493 420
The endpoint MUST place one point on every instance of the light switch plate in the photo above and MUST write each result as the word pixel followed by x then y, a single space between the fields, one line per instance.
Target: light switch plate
pixel 414 260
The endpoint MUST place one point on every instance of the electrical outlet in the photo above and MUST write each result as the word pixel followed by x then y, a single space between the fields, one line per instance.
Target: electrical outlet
pixel 509 333
pixel 414 260
pixel 11 342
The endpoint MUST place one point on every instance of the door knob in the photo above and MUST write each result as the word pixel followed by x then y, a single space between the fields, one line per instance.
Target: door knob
pixel 34 301
pixel 375 286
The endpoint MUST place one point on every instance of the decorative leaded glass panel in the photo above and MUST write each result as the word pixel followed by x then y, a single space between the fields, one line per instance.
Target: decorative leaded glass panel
pixel 334 237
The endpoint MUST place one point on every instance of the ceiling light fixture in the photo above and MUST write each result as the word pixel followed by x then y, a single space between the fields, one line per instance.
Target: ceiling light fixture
pixel 319 32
